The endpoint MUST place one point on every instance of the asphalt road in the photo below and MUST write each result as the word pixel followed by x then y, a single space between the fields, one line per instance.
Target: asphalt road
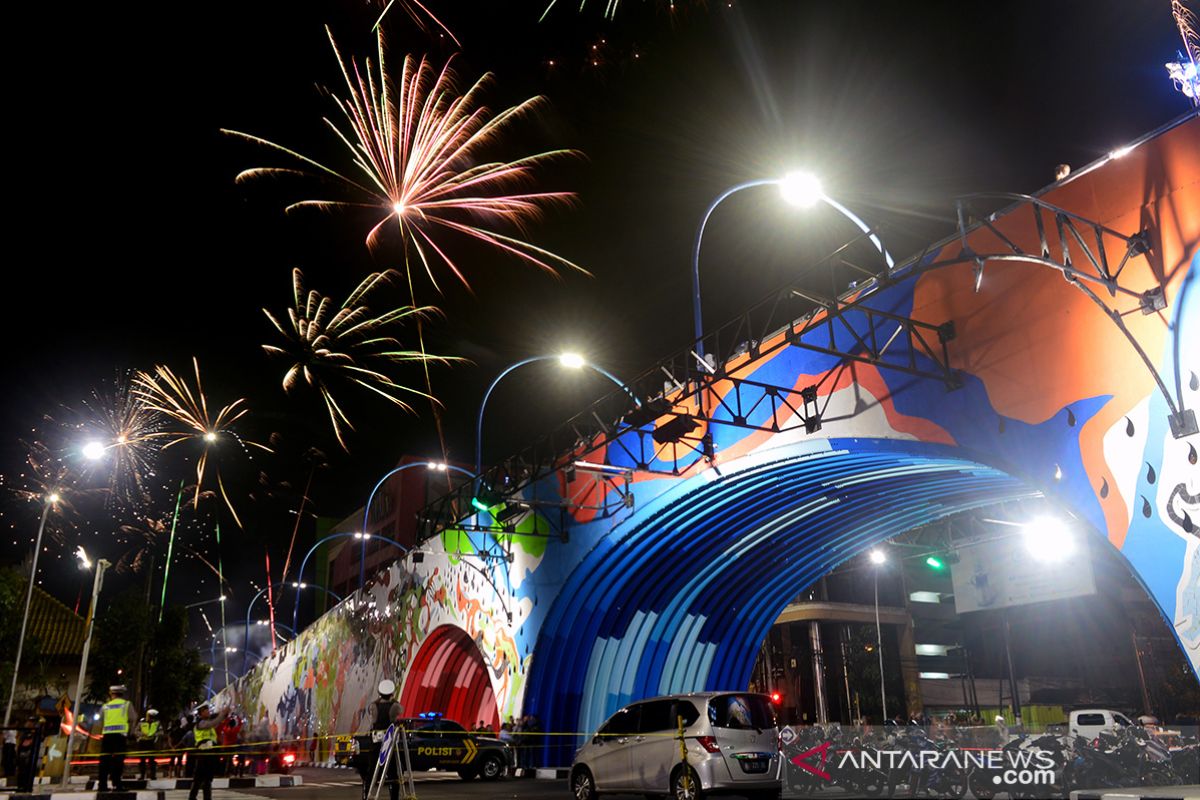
pixel 331 784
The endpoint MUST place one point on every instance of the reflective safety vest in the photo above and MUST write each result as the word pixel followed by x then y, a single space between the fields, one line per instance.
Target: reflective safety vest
pixel 116 716
pixel 148 729
pixel 204 735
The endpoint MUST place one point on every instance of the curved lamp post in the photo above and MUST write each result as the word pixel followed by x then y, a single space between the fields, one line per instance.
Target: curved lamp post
pixel 799 189
pixel 299 585
pixel 363 536
pixel 436 466
pixel 568 360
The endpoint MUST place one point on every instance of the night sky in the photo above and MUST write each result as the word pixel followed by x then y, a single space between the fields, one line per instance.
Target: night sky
pixel 131 245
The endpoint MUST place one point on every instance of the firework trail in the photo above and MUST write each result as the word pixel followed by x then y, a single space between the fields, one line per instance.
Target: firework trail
pixel 419 14
pixel 126 427
pixel 610 7
pixel 1185 20
pixel 346 342
pixel 170 395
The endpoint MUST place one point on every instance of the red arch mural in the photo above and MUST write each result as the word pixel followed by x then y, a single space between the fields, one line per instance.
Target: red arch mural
pixel 448 676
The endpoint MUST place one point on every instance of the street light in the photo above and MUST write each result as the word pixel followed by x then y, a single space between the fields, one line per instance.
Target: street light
pixel 879 559
pixel 436 466
pixel 566 360
pixel 49 501
pixel 97 584
pixel 801 189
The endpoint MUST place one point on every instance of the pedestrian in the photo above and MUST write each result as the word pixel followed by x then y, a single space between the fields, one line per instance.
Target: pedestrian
pixel 118 717
pixel 530 741
pixel 205 735
pixel 228 735
pixel 29 745
pixel 8 756
pixel 149 735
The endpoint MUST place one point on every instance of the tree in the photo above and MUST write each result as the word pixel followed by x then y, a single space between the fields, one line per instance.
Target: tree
pixel 177 674
pixel 175 671
pixel 13 586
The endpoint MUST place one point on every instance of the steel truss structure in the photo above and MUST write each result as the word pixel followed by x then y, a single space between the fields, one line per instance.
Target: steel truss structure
pixel 687 395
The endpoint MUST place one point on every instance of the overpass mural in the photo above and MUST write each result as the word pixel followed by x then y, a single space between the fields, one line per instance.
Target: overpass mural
pixel 1051 348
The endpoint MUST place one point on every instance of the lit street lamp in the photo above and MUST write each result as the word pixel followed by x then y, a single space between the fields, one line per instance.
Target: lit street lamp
pixel 801 189
pixel 879 559
pixel 47 503
pixel 567 360
pixel 97 584
pixel 436 466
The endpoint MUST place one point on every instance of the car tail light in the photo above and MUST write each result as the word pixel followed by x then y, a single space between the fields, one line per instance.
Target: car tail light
pixel 709 743
pixel 289 758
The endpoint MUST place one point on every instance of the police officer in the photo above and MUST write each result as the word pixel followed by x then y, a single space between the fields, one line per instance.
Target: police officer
pixel 117 717
pixel 148 738
pixel 387 712
pixel 205 733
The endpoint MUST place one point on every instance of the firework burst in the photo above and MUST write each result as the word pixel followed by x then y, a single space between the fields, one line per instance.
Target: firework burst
pixel 189 420
pixel 125 426
pixel 349 342
pixel 417 148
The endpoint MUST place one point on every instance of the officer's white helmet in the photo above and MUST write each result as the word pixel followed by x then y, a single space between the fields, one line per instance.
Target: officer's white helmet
pixel 387 688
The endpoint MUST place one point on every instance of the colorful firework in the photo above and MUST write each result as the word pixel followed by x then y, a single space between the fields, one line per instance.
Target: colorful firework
pixel 170 395
pixel 417 149
pixel 47 474
pixel 327 343
pixel 120 421
pixel 419 14
pixel 1185 20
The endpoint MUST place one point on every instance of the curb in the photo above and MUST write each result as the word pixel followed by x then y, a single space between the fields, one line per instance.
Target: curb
pixel 257 782
pixel 141 795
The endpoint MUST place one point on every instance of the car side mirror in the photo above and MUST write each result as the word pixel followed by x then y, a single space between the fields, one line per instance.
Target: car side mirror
pixel 597 740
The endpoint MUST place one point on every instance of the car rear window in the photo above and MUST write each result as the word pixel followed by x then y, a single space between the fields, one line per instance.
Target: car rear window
pixel 741 711
pixel 662 715
pixel 1090 719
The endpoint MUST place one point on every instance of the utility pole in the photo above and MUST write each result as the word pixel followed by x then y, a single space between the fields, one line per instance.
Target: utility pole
pixel 97 583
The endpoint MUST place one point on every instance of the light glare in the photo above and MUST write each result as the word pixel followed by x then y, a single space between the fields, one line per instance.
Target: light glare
pixel 572 360
pixel 801 189
pixel 877 557
pixel 1049 540
pixel 93 451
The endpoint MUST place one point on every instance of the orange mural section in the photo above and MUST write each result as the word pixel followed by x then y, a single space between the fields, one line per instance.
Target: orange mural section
pixel 1065 348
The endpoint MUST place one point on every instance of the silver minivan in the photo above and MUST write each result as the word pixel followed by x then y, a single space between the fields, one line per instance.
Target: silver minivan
pixel 731 738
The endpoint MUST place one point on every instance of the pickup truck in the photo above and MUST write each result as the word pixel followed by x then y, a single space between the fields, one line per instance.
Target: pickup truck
pixel 1091 722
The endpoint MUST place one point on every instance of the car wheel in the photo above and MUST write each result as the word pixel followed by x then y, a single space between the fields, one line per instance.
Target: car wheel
pixel 467 774
pixel 491 768
pixel 583 786
pixel 685 785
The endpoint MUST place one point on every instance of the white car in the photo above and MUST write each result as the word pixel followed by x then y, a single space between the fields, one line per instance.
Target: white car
pixel 1091 722
pixel 731 739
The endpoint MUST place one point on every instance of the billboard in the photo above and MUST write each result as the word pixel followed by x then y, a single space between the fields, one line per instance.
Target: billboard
pixel 1003 573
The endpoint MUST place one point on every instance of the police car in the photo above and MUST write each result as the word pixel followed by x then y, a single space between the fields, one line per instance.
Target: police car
pixel 442 744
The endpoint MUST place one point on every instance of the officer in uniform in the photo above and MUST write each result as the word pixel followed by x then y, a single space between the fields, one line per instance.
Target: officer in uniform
pixel 387 712
pixel 148 738
pixel 205 733
pixel 118 717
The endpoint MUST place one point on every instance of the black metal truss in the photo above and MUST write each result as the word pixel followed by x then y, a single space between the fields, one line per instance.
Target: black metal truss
pixel 684 386
pixel 1097 270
